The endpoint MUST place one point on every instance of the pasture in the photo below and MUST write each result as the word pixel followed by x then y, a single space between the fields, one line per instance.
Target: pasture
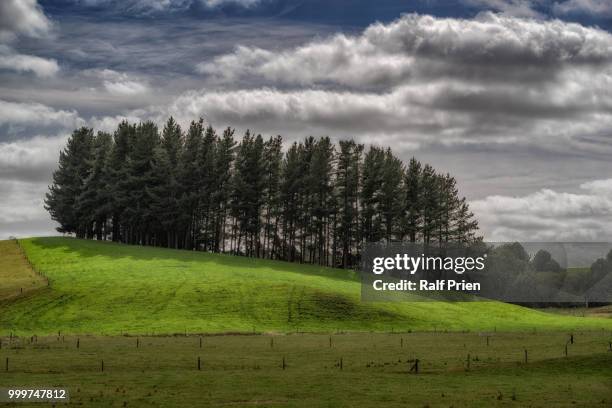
pixel 123 326
pixel 354 370
pixel 112 289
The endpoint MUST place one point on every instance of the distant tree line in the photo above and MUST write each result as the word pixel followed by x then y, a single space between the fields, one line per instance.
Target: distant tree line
pixel 316 202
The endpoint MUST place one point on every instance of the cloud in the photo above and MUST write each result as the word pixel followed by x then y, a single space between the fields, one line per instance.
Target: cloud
pixel 118 83
pixel 516 8
pixel 139 6
pixel 31 160
pixel 148 7
pixel 41 67
pixel 125 87
pixel 218 3
pixel 532 96
pixel 548 215
pixel 588 7
pixel 22 212
pixel 427 80
pixel 37 115
pixel 26 202
pixel 416 47
pixel 22 17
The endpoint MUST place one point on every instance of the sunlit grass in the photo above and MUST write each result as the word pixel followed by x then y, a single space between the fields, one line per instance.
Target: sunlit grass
pixel 108 288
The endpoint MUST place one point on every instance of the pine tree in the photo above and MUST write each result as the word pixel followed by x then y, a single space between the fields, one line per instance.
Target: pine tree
pixel 272 159
pixel 248 184
pixel 189 181
pixel 449 205
pixel 465 224
pixel 94 203
pixel 224 154
pixel 290 189
pixel 316 203
pixel 413 211
pixel 430 205
pixel 117 178
pixel 372 180
pixel 392 193
pixel 206 160
pixel 68 183
pixel 165 190
pixel 138 215
pixel 347 190
pixel 320 191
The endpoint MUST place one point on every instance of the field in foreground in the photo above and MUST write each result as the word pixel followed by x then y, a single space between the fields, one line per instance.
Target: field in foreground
pixel 108 288
pixel 247 370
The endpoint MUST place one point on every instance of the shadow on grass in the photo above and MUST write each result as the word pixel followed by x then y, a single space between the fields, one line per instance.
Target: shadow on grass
pixel 90 248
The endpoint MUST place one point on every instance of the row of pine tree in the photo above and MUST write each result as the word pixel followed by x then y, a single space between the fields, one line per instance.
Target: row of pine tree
pixel 314 202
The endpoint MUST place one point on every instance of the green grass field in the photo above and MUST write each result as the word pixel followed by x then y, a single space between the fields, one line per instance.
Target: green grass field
pixel 108 288
pixel 247 370
pixel 310 317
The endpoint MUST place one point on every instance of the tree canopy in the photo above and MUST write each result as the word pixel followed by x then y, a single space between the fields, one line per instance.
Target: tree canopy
pixel 315 201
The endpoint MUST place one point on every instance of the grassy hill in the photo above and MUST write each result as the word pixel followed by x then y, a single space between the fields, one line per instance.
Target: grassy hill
pixel 108 288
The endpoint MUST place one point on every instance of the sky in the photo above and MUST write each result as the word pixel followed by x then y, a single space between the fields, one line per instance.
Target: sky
pixel 512 97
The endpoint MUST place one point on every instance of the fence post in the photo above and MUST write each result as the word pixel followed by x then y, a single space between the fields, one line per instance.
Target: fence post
pixel 341 363
pixel 78 343
pixel 330 343
pixel 487 341
pixel 525 356
pixel 137 342
pixel 284 365
pixel 199 364
pixel 402 342
pixel 102 365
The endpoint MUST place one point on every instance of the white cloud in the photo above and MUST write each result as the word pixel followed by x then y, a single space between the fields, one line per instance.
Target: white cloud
pixel 117 83
pixel 109 123
pixel 548 215
pixel 427 80
pixel 589 7
pixel 22 212
pixel 22 17
pixel 516 8
pixel 416 47
pixel 36 114
pixel 32 159
pixel 158 6
pixel 42 67
pixel 23 202
pixel 140 6
pixel 125 87
pixel 243 3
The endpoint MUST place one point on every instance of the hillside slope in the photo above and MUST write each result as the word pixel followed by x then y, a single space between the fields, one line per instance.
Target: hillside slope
pixel 108 288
